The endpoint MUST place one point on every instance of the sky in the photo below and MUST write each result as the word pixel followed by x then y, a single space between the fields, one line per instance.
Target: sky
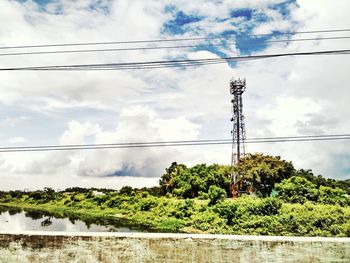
pixel 288 96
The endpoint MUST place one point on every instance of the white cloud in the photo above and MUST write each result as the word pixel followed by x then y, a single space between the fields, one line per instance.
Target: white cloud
pixel 289 96
pixel 138 124
pixel 76 132
pixel 15 140
pixel 286 113
pixel 134 124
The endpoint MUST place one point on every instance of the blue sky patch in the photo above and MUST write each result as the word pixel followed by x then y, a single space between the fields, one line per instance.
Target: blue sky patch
pixel 260 17
pixel 283 8
pixel 181 23
pixel 247 44
pixel 177 25
pixel 40 2
pixel 100 6
pixel 246 13
pixel 341 166
pixel 126 170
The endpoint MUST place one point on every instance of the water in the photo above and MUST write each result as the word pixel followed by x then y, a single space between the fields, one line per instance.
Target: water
pixel 16 219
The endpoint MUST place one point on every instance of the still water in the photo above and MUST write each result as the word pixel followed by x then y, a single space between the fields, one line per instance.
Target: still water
pixel 15 219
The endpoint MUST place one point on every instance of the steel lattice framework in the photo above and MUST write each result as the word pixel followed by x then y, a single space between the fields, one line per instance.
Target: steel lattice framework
pixel 237 87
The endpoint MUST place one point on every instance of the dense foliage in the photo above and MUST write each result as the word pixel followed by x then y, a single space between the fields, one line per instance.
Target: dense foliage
pixel 185 182
pixel 262 172
pixel 285 201
pixel 300 190
pixel 244 215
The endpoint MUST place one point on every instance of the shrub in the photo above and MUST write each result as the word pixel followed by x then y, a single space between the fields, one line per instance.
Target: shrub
pixel 333 196
pixel 147 204
pixel 202 195
pixel 216 194
pixel 227 210
pixel 297 190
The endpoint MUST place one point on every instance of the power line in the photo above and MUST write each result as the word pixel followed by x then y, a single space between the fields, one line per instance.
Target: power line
pixel 173 39
pixel 183 141
pixel 171 63
pixel 253 42
pixel 156 144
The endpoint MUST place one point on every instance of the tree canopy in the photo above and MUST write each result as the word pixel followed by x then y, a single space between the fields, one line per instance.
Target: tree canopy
pixel 185 182
pixel 261 172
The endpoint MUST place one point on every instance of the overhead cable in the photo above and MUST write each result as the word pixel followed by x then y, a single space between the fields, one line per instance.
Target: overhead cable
pixel 171 63
pixel 199 46
pixel 156 144
pixel 175 39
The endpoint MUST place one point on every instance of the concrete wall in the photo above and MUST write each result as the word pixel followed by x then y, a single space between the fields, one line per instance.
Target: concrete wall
pixel 145 247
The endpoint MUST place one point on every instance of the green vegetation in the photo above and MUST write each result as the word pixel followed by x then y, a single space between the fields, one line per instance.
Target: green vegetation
pixel 299 190
pixel 259 174
pixel 283 201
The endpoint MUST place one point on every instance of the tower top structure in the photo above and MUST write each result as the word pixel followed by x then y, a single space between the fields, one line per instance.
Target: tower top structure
pixel 237 86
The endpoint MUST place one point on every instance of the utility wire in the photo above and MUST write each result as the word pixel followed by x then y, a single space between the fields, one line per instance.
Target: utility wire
pixel 173 39
pixel 184 141
pixel 172 63
pixel 156 144
pixel 173 47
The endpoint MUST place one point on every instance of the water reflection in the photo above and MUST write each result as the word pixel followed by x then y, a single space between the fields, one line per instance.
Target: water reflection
pixel 16 219
pixel 35 215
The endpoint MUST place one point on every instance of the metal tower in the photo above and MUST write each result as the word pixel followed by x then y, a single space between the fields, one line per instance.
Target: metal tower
pixel 237 87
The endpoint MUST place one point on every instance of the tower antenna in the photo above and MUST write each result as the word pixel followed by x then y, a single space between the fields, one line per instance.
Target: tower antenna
pixel 237 87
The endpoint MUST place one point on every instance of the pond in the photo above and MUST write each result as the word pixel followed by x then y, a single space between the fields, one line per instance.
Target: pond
pixel 17 219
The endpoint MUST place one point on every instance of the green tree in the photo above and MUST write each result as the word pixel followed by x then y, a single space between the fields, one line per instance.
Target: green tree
pixel 189 182
pixel 262 172
pixel 126 190
pixel 319 180
pixel 170 179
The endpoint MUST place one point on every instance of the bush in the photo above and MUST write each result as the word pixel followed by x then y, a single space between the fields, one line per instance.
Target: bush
pixel 266 206
pixel 297 190
pixel 203 195
pixel 216 194
pixel 147 204
pixel 171 224
pixel 227 210
pixel 207 221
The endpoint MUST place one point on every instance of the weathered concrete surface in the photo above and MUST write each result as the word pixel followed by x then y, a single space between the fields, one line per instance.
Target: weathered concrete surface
pixel 145 247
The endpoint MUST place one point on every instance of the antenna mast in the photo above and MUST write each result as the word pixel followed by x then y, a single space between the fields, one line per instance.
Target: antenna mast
pixel 237 87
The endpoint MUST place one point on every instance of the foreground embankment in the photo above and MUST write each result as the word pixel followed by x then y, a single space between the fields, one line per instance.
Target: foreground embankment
pixel 149 247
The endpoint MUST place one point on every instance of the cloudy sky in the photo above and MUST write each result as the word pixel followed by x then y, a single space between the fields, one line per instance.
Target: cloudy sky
pixel 284 97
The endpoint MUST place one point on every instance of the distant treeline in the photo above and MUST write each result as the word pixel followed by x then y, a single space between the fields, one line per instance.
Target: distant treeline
pixel 260 175
pixel 275 199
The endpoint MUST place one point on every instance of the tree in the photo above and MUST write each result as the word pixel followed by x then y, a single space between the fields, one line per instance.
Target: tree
pixel 262 172
pixel 169 180
pixel 319 180
pixel 258 171
pixel 126 190
pixel 189 182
